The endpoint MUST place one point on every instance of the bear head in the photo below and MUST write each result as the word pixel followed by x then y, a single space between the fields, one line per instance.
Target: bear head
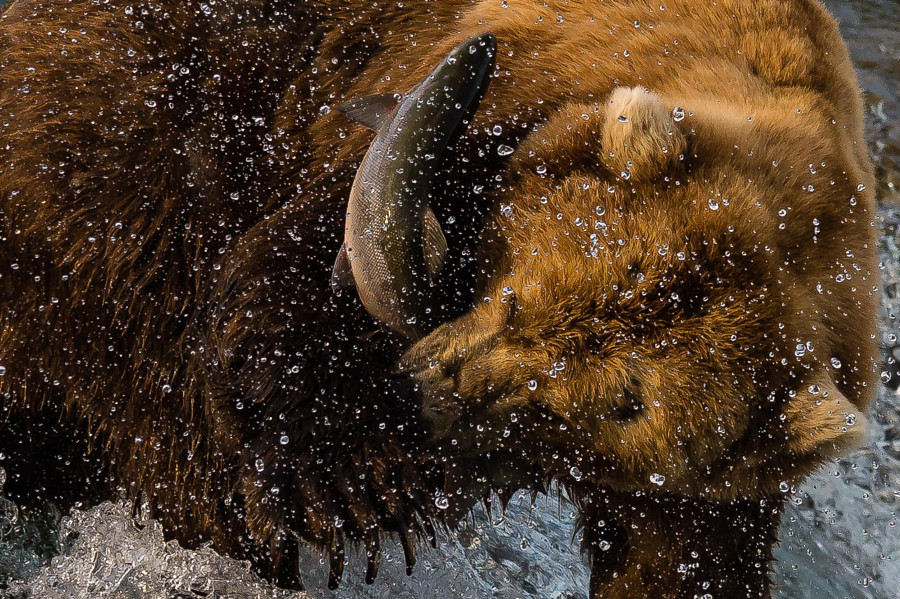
pixel 633 327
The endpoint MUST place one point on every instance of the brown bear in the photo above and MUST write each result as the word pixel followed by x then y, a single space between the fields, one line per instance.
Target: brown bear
pixel 675 315
pixel 674 287
pixel 168 332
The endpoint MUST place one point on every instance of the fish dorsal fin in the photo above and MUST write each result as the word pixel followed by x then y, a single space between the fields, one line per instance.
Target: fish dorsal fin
pixel 435 244
pixel 371 111
pixel 342 274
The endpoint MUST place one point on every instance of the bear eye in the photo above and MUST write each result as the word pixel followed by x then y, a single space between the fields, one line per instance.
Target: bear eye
pixel 631 403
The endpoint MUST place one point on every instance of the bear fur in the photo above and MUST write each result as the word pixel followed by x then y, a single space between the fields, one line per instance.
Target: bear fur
pixel 679 281
pixel 675 284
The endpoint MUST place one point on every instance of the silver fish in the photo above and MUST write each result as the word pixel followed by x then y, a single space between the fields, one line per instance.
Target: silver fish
pixel 393 243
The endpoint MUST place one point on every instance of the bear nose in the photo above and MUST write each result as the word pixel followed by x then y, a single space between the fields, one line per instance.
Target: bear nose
pixel 441 419
pixel 440 400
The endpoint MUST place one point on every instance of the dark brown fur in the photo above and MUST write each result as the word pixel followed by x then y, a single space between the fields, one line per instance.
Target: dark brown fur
pixel 173 185
pixel 166 314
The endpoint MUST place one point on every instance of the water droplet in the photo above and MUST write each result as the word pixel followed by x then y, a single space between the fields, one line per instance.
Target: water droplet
pixel 507 290
pixel 835 362
pixel 504 150
pixel 604 545
pixel 260 466
pixel 284 440
pixel 441 501
pixel 678 114
pixel 532 385
pixel 575 473
pixel 657 479
pixel 600 210
pixel 324 109
pixel 506 210
pixel 851 419
pixel 784 487
pixel 713 204
pixel 166 389
pixel 541 169
pixel 497 130
pixel 622 118
pixel 2 370
pixel 860 187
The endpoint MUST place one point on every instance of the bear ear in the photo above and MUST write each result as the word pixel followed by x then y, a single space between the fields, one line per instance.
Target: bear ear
pixel 821 422
pixel 641 136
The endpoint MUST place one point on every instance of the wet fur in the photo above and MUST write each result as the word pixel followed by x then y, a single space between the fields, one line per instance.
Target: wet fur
pixel 184 254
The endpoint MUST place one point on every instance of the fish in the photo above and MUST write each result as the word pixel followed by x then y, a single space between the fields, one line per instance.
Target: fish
pixel 394 246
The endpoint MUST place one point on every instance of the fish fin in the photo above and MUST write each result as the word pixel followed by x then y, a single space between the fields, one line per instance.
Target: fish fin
pixel 371 334
pixel 342 274
pixel 371 111
pixel 435 244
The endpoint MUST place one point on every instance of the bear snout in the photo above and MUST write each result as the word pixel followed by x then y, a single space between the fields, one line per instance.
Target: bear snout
pixel 441 406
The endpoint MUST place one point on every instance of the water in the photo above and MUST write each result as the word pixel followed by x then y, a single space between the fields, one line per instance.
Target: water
pixel 839 537
pixel 873 36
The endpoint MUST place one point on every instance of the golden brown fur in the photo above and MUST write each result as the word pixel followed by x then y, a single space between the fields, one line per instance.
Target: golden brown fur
pixel 172 188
